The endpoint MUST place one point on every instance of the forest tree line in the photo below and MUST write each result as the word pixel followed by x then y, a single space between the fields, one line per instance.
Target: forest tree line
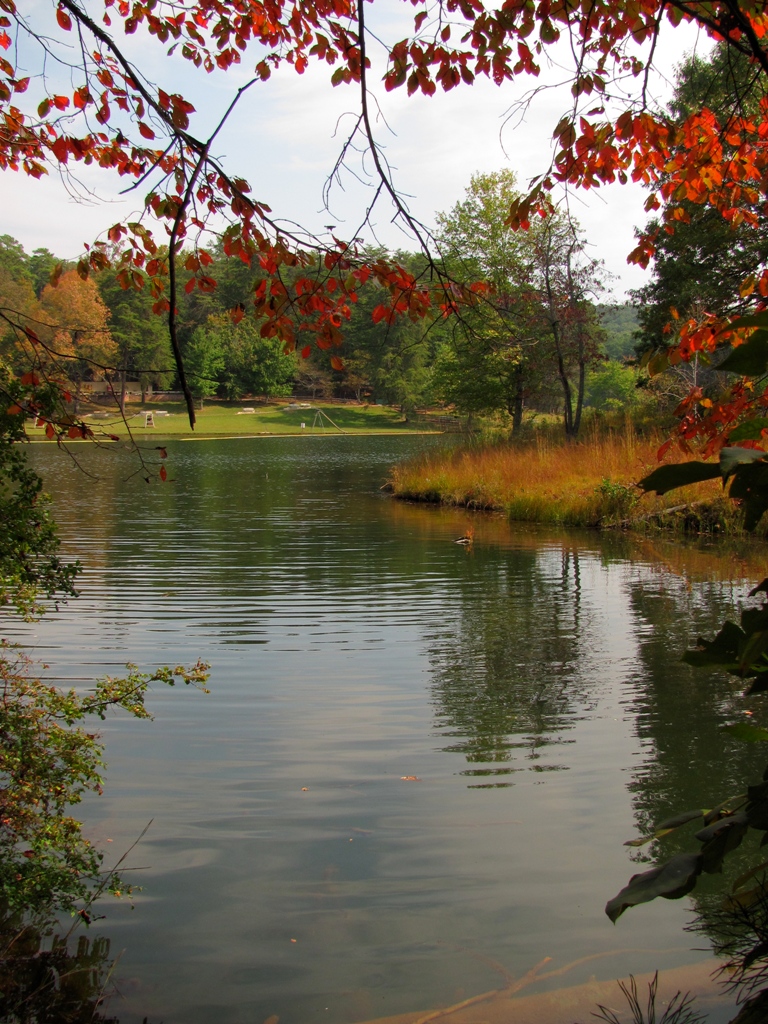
pixel 101 330
pixel 544 338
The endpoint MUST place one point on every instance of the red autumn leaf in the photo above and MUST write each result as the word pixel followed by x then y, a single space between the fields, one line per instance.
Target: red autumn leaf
pixel 163 473
pixel 81 97
pixel 60 149
pixel 50 433
pixel 5 40
pixel 337 363
pixel 63 19
pixel 146 131
pixel 306 352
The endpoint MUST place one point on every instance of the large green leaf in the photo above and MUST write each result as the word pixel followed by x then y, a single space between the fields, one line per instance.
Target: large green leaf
pixel 751 320
pixel 750 430
pixel 749 483
pixel 732 458
pixel 719 839
pixel 679 474
pixel 673 879
pixel 757 807
pixel 670 825
pixel 750 359
pixel 759 684
pixel 723 651
pixel 680 819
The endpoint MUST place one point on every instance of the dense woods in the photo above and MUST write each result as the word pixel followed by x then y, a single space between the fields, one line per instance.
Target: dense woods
pixel 501 358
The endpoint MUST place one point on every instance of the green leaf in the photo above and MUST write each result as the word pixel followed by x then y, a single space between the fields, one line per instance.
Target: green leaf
pixel 750 320
pixel 750 359
pixel 723 651
pixel 649 839
pixel 671 880
pixel 709 832
pixel 759 682
pixel 747 733
pixel 720 839
pixel 732 458
pixel 680 819
pixel 658 362
pixel 754 649
pixel 669 826
pixel 750 430
pixel 680 474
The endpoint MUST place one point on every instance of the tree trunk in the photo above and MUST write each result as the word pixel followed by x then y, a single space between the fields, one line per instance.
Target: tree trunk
pixel 516 406
pixel 554 324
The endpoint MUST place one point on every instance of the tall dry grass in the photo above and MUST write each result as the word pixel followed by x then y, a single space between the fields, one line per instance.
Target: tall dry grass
pixel 587 483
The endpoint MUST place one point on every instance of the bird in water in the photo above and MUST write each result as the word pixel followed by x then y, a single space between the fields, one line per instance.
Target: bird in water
pixel 469 536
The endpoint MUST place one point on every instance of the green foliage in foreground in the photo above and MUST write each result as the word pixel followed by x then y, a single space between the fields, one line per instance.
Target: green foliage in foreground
pixel 741 649
pixel 744 469
pixel 47 762
pixel 30 568
pixel 48 758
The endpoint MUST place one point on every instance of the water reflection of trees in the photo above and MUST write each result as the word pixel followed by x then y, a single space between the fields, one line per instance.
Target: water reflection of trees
pixel 505 677
pixel 679 711
pixel 49 977
pixel 690 762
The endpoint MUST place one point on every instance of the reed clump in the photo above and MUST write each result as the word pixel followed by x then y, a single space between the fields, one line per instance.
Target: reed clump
pixel 589 482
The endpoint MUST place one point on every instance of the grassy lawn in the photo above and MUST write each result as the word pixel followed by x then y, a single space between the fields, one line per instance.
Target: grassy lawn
pixel 216 420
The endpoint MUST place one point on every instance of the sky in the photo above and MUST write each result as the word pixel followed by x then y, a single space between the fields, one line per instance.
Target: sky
pixel 287 133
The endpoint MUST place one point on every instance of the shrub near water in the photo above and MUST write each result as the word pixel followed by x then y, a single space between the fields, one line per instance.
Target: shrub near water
pixel 588 483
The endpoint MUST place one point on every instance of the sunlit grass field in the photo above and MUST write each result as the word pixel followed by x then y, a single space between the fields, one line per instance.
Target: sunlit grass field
pixel 587 483
pixel 218 420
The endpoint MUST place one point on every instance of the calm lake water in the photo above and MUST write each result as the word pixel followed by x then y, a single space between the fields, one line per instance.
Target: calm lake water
pixel 530 686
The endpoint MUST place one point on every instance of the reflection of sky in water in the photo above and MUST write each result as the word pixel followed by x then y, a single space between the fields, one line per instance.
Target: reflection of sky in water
pixel 352 644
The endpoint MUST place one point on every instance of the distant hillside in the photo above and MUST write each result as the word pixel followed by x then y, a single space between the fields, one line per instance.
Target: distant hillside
pixel 620 323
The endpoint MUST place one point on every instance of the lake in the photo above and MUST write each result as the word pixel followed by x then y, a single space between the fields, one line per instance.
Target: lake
pixel 418 762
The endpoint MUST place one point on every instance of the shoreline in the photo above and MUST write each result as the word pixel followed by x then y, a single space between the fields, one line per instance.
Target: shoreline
pixel 237 437
pixel 590 485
